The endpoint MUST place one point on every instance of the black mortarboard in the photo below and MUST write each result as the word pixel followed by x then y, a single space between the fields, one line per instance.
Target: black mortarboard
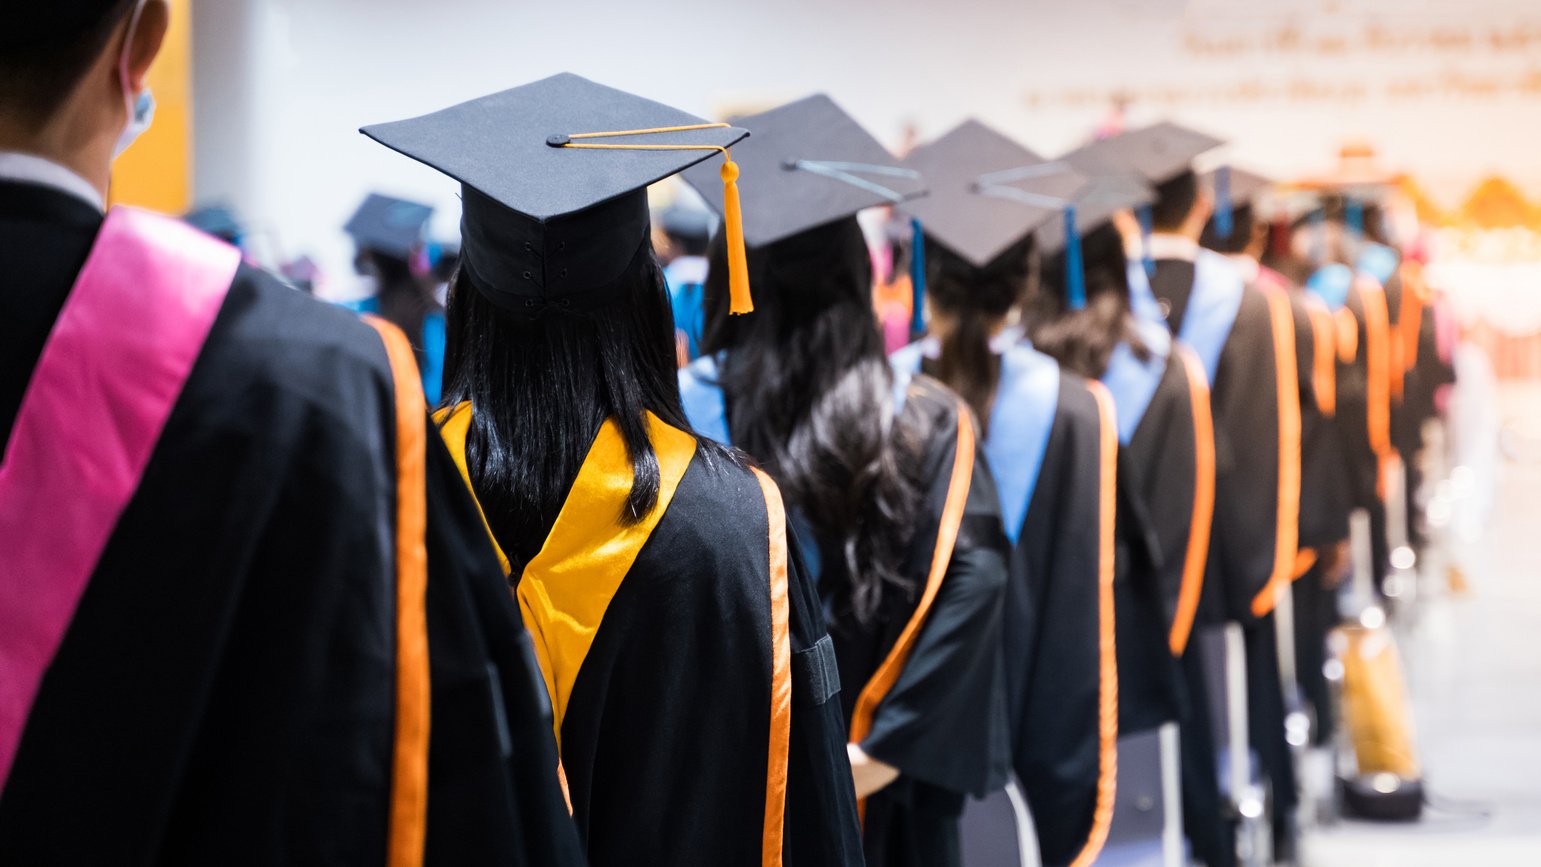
pixel 1159 153
pixel 689 222
pixel 216 220
pixel 383 224
pixel 1232 188
pixel 1109 189
pixel 554 178
pixel 809 163
pixel 986 191
pixel 1238 186
pixel 36 22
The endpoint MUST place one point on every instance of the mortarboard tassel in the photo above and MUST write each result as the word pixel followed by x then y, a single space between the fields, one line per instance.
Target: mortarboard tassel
pixel 1353 215
pixel 740 299
pixel 917 279
pixel 1147 218
pixel 1075 275
pixel 1225 222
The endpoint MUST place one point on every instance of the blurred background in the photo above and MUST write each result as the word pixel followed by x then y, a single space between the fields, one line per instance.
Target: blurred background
pixel 260 102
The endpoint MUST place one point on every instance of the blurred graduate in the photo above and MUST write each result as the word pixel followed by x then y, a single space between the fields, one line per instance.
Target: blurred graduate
pixel 1051 445
pixel 882 469
pixel 397 265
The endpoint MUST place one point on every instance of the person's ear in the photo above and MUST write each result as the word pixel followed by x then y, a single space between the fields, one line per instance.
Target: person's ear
pixel 148 35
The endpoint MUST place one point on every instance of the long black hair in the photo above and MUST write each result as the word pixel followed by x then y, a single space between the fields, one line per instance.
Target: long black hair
pixel 543 386
pixel 810 393
pixel 976 300
pixel 1083 340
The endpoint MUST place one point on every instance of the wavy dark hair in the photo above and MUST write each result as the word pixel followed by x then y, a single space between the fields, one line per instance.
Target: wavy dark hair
pixel 977 300
pixel 542 388
pixel 810 395
pixel 1082 341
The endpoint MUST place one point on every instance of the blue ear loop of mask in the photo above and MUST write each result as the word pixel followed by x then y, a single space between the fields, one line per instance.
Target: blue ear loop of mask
pixel 1147 218
pixel 141 106
pixel 917 278
pixel 1075 275
pixel 1224 216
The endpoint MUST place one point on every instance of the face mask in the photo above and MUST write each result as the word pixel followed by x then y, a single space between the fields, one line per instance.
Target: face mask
pixel 140 106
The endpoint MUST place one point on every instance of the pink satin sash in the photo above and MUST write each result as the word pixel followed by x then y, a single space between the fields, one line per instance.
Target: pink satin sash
pixel 112 369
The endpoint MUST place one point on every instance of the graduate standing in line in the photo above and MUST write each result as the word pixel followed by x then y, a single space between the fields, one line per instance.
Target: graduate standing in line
pixel 1165 474
pixel 688 231
pixel 882 472
pixel 1166 465
pixel 1234 232
pixel 1363 337
pixel 247 613
pixel 1326 494
pixel 1238 336
pixel 1052 446
pixel 394 257
pixel 682 643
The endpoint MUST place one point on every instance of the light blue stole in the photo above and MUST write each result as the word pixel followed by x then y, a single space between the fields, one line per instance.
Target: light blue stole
pixel 1218 288
pixel 1020 420
pixel 1132 382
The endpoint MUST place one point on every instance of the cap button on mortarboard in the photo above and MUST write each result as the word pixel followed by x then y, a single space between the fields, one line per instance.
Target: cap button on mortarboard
pixel 558 141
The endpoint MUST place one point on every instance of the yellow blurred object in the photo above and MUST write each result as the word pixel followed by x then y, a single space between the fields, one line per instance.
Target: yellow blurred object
pixel 1376 710
pixel 1455 576
pixel 156 172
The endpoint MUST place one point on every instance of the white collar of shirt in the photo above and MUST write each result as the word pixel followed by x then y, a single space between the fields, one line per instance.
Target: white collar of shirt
pixel 33 169
pixel 1249 267
pixel 1165 246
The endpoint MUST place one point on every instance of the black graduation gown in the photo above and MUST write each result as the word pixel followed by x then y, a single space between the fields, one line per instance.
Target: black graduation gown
pixel 1245 408
pixel 1325 497
pixel 943 722
pixel 225 691
pixel 1157 483
pixel 1053 661
pixel 666 731
pixel 1421 371
pixel 1324 471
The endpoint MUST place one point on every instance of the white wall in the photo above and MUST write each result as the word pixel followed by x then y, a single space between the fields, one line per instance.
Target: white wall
pixel 283 85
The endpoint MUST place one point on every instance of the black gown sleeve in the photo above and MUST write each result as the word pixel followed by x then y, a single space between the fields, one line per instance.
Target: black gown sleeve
pixel 1245 405
pixel 944 720
pixel 1053 665
pixel 493 791
pixel 1161 473
pixel 821 823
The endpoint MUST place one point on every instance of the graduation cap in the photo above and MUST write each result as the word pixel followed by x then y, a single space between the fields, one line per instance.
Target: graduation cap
pixel 1158 153
pixel 216 220
pixel 24 24
pixel 554 178
pixel 1233 188
pixel 809 163
pixel 389 225
pixel 1109 189
pixel 687 222
pixel 988 193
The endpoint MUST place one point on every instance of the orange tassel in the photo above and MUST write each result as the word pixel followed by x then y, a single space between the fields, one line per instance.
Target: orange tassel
pixel 741 301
